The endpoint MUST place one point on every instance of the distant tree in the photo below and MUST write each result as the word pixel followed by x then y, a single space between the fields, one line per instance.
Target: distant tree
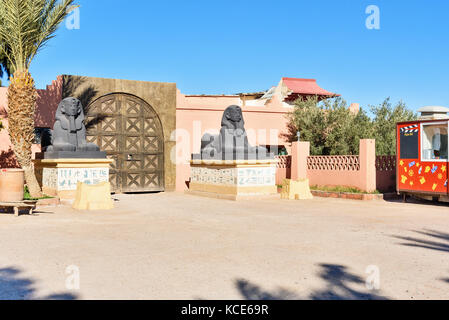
pixel 361 128
pixel 342 137
pixel 334 130
pixel 385 117
pixel 307 118
pixel 329 125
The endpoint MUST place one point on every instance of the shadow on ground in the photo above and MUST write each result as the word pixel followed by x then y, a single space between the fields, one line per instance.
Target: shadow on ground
pixel 338 287
pixel 435 240
pixel 415 200
pixel 440 244
pixel 15 287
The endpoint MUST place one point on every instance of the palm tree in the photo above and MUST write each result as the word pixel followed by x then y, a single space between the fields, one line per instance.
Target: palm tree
pixel 25 27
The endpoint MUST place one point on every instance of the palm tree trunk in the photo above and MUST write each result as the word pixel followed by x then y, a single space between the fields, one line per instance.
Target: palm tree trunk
pixel 32 183
pixel 21 108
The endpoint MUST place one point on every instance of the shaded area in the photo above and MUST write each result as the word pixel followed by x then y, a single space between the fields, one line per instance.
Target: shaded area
pixel 338 287
pixel 250 291
pixel 428 244
pixel 75 87
pixel 46 104
pixel 414 200
pixel 338 281
pixel 8 159
pixel 439 241
pixel 13 286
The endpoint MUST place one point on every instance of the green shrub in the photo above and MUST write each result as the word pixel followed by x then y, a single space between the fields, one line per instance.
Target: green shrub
pixel 340 189
pixel 27 196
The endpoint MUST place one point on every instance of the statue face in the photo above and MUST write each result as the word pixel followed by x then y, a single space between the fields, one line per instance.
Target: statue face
pixel 71 107
pixel 235 114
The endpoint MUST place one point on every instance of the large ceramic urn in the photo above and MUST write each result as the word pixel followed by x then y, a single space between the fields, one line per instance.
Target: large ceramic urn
pixel 11 185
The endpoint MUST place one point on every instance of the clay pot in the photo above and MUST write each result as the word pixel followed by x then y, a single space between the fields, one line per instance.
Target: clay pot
pixel 11 185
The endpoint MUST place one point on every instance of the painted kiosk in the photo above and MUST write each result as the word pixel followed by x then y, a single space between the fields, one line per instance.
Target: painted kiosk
pixel 422 155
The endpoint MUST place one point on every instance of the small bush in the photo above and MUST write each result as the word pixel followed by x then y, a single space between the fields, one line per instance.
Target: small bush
pixel 341 189
pixel 27 196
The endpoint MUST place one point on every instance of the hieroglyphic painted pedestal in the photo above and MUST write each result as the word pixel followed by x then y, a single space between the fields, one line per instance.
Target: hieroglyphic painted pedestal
pixel 59 177
pixel 233 179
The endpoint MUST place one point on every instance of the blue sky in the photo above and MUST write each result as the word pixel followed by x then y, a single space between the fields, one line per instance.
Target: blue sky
pixel 215 47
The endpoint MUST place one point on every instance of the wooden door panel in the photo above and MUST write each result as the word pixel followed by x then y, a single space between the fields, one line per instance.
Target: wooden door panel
pixel 130 132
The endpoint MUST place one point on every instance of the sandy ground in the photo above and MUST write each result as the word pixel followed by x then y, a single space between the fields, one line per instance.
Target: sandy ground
pixel 176 246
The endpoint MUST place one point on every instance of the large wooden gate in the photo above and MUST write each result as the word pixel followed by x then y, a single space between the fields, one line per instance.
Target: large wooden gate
pixel 130 131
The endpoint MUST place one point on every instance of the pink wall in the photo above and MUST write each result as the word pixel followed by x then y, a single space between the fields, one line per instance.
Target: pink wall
pixel 196 115
pixel 283 169
pixel 295 165
pixel 361 175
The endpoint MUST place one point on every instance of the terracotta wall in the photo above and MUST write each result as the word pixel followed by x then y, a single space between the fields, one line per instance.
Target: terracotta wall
pixel 196 115
pixel 386 173
pixel 283 168
pixel 348 174
pixel 351 171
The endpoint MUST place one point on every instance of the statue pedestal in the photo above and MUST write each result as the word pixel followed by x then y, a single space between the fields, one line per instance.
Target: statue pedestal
pixel 233 179
pixel 59 177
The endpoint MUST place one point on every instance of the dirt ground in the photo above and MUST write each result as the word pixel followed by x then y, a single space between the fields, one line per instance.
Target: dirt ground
pixel 176 246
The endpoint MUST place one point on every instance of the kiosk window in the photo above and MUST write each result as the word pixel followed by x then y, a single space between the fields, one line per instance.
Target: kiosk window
pixel 434 142
pixel 409 143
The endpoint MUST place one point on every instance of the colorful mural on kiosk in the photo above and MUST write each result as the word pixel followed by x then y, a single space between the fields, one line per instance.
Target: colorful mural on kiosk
pixel 422 165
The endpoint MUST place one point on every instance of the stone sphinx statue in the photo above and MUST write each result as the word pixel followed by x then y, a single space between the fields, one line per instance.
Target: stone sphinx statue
pixel 232 142
pixel 68 138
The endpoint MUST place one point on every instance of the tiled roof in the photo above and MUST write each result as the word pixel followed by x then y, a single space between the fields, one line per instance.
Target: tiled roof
pixel 305 87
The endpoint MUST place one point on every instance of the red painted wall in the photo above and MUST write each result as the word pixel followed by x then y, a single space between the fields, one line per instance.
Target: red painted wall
pixel 418 175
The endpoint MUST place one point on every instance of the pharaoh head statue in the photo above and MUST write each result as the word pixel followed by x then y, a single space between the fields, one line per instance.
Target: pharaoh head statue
pixel 233 118
pixel 70 114
pixel 71 107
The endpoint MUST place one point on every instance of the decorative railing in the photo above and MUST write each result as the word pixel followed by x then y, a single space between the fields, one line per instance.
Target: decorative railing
pixel 284 161
pixel 386 163
pixel 339 163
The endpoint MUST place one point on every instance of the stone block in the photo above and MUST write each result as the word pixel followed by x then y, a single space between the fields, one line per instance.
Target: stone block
pixel 233 179
pixel 60 177
pixel 93 197
pixel 296 190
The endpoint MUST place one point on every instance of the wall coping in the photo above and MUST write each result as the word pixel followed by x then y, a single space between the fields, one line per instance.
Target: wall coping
pixel 231 162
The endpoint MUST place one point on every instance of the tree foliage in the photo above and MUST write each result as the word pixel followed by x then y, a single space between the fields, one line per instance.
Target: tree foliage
pixel 329 125
pixel 385 117
pixel 26 26
pixel 332 129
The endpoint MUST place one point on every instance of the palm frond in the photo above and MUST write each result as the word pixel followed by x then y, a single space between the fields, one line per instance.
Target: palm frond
pixel 27 25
